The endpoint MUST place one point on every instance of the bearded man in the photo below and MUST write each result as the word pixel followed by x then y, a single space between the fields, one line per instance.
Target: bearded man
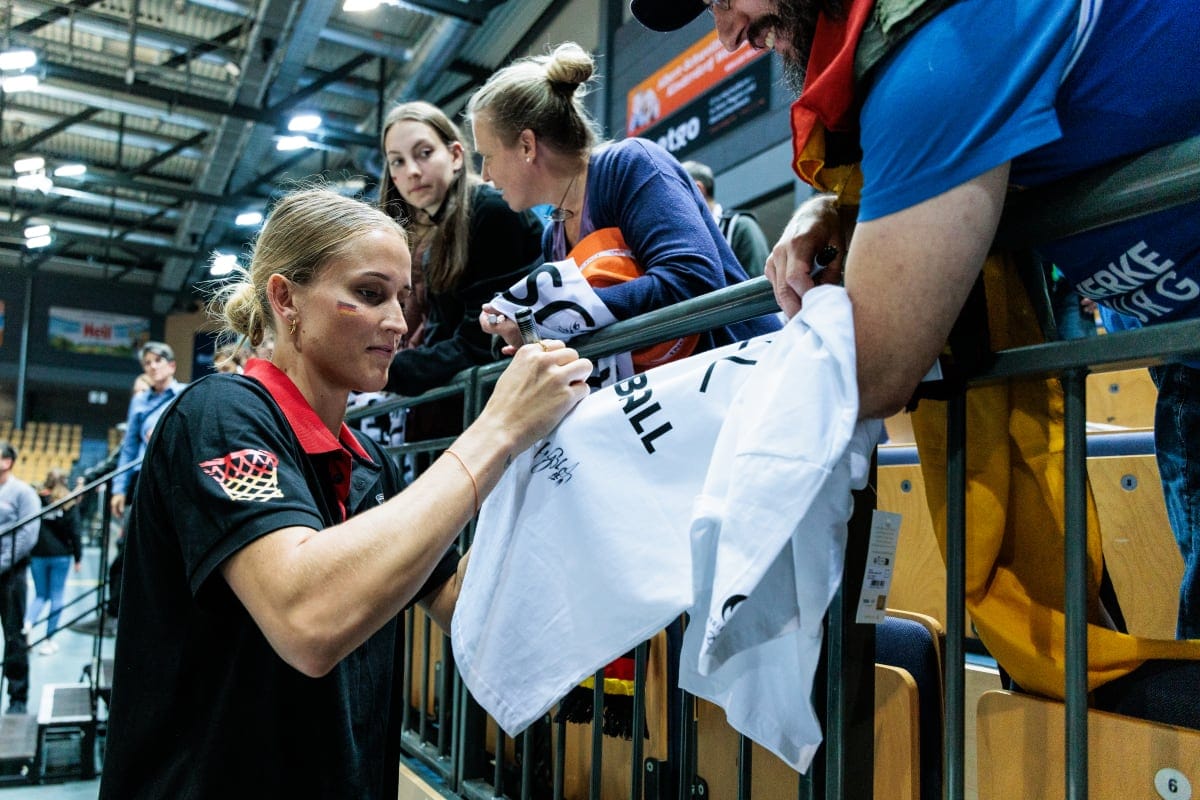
pixel 916 117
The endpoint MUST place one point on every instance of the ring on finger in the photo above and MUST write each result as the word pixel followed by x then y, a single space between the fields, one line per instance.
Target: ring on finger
pixel 493 319
pixel 545 347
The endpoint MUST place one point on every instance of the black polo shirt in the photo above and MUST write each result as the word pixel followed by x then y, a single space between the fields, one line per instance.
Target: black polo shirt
pixel 202 707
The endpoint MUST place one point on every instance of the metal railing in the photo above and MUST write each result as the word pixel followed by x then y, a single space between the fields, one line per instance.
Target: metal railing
pixel 452 740
pixel 92 601
pixel 1151 182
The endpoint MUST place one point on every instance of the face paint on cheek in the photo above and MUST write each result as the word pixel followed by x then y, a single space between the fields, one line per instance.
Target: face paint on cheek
pixel 346 308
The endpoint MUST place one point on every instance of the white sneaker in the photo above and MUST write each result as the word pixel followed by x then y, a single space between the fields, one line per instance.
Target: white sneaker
pixel 47 648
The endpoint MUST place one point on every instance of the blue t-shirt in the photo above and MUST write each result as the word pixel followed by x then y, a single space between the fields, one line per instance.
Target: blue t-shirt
pixel 1056 87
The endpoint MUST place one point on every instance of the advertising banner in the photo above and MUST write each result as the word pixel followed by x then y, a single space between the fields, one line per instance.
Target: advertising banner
pixel 79 330
pixel 702 93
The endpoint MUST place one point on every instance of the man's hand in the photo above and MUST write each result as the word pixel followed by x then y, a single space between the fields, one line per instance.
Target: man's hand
pixel 815 226
pixel 117 504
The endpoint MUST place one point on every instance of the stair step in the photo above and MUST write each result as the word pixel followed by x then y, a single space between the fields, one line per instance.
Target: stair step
pixel 65 703
pixel 18 739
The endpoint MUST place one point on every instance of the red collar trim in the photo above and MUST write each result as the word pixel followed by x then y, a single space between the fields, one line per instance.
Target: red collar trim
pixel 314 437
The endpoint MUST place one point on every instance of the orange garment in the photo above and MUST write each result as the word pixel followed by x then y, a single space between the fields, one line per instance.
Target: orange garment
pixel 605 260
pixel 1015 574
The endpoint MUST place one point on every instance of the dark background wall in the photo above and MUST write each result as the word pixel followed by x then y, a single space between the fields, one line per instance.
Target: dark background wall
pixel 58 382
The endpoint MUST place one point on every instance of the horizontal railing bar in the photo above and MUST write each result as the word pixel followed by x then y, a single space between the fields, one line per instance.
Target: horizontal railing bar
pixel 1153 181
pixel 1148 346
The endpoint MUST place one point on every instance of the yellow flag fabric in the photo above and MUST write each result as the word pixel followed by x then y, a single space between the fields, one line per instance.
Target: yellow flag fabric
pixel 1015 562
pixel 845 181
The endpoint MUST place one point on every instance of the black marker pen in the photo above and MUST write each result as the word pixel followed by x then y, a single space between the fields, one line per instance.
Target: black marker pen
pixel 529 334
pixel 823 259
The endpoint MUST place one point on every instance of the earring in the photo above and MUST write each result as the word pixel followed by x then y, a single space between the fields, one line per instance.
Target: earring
pixel 292 323
pixel 528 160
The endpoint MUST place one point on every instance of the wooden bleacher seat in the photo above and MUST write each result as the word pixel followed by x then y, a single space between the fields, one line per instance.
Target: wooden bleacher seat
pixel 1139 548
pixel 1021 752
pixel 898 743
pixel 1142 557
pixel 908 724
pixel 1124 398
pixel 913 644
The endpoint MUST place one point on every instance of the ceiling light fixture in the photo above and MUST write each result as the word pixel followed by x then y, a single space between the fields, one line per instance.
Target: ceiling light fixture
pixel 35 231
pixel 18 59
pixel 248 218
pixel 354 6
pixel 22 82
pixel 292 143
pixel 70 170
pixel 222 263
pixel 35 181
pixel 305 122
pixel 38 241
pixel 30 164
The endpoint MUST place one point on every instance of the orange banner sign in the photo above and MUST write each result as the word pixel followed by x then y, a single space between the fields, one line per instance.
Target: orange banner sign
pixel 693 72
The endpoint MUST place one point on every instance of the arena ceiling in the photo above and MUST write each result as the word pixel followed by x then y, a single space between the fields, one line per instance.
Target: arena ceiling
pixel 155 124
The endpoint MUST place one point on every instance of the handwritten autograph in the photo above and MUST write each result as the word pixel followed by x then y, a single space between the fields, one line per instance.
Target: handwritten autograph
pixel 555 460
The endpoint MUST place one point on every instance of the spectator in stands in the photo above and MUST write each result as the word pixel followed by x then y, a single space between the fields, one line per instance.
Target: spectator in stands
pixel 1074 315
pixel 740 228
pixel 88 506
pixel 947 120
pixel 539 145
pixel 145 407
pixel 18 501
pixel 230 357
pixel 140 384
pixel 158 367
pixel 257 655
pixel 466 245
pixel 266 348
pixel 92 516
pixel 58 545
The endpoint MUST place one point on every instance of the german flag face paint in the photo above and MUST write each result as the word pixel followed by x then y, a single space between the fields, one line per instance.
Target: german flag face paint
pixel 346 308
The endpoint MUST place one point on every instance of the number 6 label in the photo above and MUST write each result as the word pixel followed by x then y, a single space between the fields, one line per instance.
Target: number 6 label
pixel 1172 784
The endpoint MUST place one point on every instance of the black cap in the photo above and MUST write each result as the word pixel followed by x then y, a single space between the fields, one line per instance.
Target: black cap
pixel 666 15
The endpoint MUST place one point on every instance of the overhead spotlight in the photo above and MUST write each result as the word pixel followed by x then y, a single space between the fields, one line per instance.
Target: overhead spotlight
pixel 248 218
pixel 233 69
pixel 22 82
pixel 222 263
pixel 361 5
pixel 18 59
pixel 30 164
pixel 38 241
pixel 70 170
pixel 35 181
pixel 293 143
pixel 36 231
pixel 305 122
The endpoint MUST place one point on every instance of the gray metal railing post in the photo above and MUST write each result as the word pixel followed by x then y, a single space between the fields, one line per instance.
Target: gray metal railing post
pixel 1075 605
pixel 956 617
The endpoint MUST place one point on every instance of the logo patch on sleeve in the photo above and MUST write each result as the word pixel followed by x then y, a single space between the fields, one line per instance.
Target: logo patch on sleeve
pixel 246 474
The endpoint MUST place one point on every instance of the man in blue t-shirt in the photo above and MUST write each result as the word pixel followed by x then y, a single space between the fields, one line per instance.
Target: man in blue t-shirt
pixel 979 96
pixel 145 407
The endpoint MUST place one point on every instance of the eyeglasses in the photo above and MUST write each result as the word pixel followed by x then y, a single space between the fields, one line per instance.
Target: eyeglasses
pixel 717 5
